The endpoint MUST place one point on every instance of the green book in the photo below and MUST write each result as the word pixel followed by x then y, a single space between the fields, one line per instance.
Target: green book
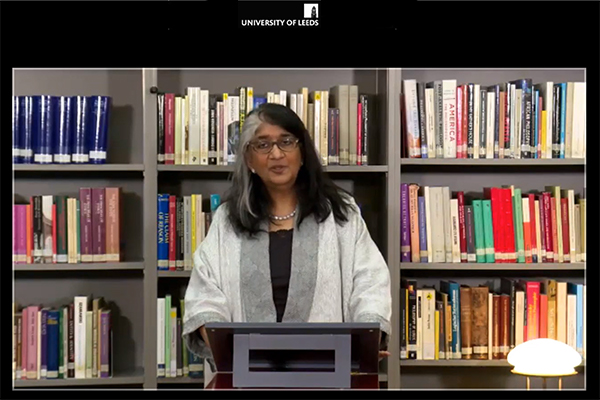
pixel 168 336
pixel 488 231
pixel 518 220
pixel 186 367
pixel 88 344
pixel 479 235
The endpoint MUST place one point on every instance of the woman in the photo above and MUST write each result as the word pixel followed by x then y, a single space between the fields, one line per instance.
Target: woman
pixel 287 245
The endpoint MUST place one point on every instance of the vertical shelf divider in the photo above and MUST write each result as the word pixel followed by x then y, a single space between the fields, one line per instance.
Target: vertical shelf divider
pixel 149 80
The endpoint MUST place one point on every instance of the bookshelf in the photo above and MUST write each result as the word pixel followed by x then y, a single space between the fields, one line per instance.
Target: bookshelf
pixel 132 165
pixel 471 176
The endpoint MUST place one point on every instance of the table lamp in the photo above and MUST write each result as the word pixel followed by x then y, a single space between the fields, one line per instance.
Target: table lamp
pixel 544 358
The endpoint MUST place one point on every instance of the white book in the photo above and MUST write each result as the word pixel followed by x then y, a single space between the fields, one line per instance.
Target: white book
pixel 276 99
pixel 412 117
pixel 519 316
pixel 270 97
pixel 526 219
pixel 430 122
pixel 477 146
pixel 561 311
pixel 572 320
pixel 293 106
pixel 428 224
pixel 447 223
pixel 233 128
pixel 324 118
pixel 178 127
pixel 449 114
pixel 194 126
pixel 437 224
pixel 455 231
pixel 225 127
pixel 317 122
pixel 428 323
pixel 513 122
pixel 572 226
pixel 419 344
pixel 160 337
pixel 283 97
pixel 249 99
pixel 491 128
pixel 81 307
pixel 579 120
pixel 300 106
pixel 204 127
pixel 48 248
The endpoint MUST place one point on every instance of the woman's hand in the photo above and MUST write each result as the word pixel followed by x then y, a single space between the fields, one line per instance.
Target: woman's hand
pixel 383 354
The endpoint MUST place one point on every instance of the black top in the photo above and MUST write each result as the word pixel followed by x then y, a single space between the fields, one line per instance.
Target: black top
pixel 280 260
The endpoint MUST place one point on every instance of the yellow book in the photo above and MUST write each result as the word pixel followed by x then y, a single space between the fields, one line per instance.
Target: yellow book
pixel 437 334
pixel 544 133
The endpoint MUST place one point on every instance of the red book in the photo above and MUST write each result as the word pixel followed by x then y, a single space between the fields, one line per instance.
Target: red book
pixel 543 316
pixel 533 223
pixel 462 226
pixel 172 233
pixel 358 134
pixel 548 226
pixel 508 225
pixel 459 129
pixel 465 122
pixel 564 214
pixel 542 244
pixel 169 128
pixel 554 229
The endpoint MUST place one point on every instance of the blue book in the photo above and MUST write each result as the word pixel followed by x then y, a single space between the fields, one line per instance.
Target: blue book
pixel 44 343
pixel 195 365
pixel 43 129
pixel 79 141
pixel 62 130
pixel 563 117
pixel 98 128
pixel 163 232
pixel 26 129
pixel 259 100
pixel 215 202
pixel 422 230
pixel 53 343
pixel 452 289
pixel 16 130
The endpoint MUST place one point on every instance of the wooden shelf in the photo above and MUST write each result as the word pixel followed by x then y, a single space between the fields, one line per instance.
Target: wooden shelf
pixel 174 274
pixel 229 168
pixel 132 378
pixel 78 167
pixel 504 162
pixel 123 266
pixel 493 266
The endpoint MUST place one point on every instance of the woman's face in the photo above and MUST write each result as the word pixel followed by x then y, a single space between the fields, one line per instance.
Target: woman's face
pixel 277 164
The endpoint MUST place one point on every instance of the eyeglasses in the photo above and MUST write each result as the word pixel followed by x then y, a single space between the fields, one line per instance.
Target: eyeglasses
pixel 265 146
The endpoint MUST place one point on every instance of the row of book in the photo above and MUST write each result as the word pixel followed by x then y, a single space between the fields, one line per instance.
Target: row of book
pixel 203 128
pixel 182 226
pixel 515 119
pixel 70 341
pixel 173 357
pixel 60 129
pixel 63 229
pixel 504 225
pixel 458 321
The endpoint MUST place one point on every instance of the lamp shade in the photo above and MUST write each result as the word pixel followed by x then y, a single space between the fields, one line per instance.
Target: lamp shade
pixel 544 357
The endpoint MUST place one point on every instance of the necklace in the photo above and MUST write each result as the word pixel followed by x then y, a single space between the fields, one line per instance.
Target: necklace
pixel 284 217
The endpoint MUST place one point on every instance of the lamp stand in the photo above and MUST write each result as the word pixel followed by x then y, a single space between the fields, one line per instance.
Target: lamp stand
pixel 544 377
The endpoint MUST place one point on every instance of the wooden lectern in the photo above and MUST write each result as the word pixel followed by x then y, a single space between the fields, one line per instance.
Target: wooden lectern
pixel 294 355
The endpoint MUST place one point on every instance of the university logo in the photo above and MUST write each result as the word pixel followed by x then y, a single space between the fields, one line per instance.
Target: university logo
pixel 311 10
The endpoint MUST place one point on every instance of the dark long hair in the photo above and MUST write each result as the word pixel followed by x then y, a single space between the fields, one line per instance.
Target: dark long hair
pixel 317 194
